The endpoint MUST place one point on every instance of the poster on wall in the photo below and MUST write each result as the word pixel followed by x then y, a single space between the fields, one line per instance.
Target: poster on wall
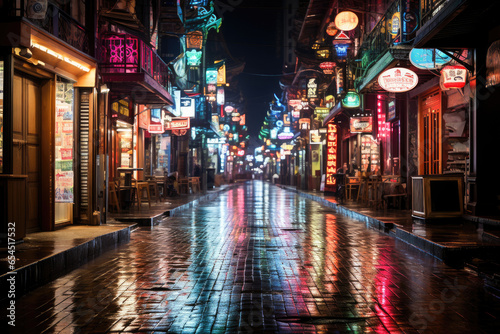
pixel 64 140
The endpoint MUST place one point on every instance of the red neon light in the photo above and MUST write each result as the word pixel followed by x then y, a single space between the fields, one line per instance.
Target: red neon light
pixel 331 157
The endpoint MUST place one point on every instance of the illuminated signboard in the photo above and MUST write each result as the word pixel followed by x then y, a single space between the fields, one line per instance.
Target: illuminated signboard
pixel 361 124
pixel 453 76
pixel 193 57
pixel 331 30
pixel 304 123
pixel 331 157
pixel 211 76
pixel 220 96
pixel 312 88
pixel 383 129
pixel 341 50
pixel 321 111
pixel 180 123
pixel 398 80
pixel 428 59
pixel 221 75
pixel 194 40
pixel 346 20
pixel 187 107
pixel 351 100
pixel 327 67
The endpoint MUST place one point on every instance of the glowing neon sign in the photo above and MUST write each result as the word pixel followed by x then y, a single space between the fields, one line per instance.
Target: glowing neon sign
pixel 331 157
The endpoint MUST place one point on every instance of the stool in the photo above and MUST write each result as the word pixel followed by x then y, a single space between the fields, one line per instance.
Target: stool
pixel 139 189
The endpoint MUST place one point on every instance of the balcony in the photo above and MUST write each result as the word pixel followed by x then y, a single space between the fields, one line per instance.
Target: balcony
pixel 388 40
pixel 54 21
pixel 130 66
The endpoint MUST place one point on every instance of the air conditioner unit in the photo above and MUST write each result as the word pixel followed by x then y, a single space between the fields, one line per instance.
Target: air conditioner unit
pixel 36 9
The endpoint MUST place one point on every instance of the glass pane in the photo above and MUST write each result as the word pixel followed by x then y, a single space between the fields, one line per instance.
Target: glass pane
pixel 64 140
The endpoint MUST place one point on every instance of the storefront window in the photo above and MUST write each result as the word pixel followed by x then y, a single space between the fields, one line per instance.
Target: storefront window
pixel 1 116
pixel 163 152
pixel 64 139
pixel 125 144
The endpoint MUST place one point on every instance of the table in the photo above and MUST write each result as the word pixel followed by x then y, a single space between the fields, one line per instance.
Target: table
pixel 127 187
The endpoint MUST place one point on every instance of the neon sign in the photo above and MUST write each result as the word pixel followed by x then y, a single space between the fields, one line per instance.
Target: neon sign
pixel 331 157
pixel 351 100
pixel 346 21
pixel 193 57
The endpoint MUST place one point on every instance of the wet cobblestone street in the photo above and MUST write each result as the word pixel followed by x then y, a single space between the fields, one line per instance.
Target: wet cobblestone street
pixel 260 259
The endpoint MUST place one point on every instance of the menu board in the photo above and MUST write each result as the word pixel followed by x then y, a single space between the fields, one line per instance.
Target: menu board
pixel 64 139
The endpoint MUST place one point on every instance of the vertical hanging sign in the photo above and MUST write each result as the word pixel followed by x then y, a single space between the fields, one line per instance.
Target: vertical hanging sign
pixel 331 157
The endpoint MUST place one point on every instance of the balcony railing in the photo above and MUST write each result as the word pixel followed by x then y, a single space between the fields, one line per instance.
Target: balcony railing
pixel 429 8
pixel 53 20
pixel 397 26
pixel 123 53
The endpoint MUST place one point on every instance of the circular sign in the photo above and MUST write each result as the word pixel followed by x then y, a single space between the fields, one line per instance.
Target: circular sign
pixel 331 30
pixel 398 80
pixel 346 21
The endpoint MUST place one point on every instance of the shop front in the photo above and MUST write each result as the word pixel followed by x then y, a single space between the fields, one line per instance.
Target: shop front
pixel 48 117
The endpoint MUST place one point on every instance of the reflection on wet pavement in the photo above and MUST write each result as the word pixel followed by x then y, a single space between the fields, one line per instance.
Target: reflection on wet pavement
pixel 260 259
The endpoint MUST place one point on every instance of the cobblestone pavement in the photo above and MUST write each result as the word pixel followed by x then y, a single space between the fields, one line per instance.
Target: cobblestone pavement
pixel 260 259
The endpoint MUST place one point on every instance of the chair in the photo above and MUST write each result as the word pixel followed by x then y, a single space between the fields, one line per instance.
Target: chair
pixel 140 187
pixel 155 185
pixel 353 183
pixel 113 196
pixel 194 183
pixel 183 184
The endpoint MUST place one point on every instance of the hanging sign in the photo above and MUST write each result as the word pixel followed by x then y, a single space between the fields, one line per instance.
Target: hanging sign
pixel 220 96
pixel 180 123
pixel 351 100
pixel 341 50
pixel 211 76
pixel 331 30
pixel 398 80
pixel 361 124
pixel 193 57
pixel 341 38
pixel 221 75
pixel 187 107
pixel 327 67
pixel 454 76
pixel 331 157
pixel 194 40
pixel 395 24
pixel 346 21
pixel 428 59
pixel 311 88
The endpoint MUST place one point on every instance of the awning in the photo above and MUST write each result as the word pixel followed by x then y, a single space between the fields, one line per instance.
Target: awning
pixel 383 63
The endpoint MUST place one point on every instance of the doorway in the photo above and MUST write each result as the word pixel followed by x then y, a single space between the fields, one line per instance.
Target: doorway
pixel 430 134
pixel 26 142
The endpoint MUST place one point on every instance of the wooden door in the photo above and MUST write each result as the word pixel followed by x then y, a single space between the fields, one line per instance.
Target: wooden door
pixel 26 142
pixel 430 134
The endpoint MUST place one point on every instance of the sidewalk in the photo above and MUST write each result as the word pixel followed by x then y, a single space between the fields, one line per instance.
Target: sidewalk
pixel 45 256
pixel 470 242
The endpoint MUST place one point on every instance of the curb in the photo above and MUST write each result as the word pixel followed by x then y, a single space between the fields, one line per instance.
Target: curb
pixel 48 269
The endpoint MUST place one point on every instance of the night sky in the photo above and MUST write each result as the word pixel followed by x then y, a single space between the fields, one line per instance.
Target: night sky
pixel 252 29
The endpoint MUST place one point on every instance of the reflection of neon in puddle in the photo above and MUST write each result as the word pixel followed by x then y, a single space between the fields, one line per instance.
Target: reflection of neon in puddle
pixel 323 320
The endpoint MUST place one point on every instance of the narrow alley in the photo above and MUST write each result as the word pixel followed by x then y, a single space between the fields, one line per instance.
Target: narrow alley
pixel 261 259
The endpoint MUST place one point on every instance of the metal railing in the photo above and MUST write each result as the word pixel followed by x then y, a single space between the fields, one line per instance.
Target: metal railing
pixel 397 26
pixel 124 53
pixel 53 20
pixel 429 8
